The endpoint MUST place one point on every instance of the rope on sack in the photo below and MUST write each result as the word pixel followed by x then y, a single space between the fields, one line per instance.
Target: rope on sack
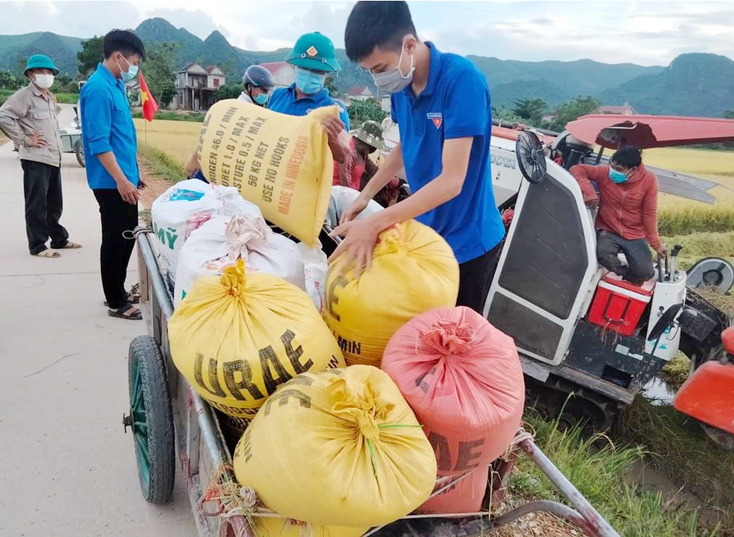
pixel 233 500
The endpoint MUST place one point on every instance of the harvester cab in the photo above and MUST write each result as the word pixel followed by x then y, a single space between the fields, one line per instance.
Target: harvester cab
pixel 580 329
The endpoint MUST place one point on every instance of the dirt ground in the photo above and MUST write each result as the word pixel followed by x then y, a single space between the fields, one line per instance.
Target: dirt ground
pixel 154 186
pixel 533 525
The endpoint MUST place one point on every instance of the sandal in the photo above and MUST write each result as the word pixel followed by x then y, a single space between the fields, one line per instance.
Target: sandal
pixel 47 254
pixel 68 246
pixel 128 312
pixel 133 297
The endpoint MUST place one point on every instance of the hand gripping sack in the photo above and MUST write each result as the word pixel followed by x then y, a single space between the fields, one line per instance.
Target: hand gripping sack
pixel 184 207
pixel 464 496
pixel 286 527
pixel 238 336
pixel 223 240
pixel 340 447
pixel 413 270
pixel 464 380
pixel 281 163
pixel 341 198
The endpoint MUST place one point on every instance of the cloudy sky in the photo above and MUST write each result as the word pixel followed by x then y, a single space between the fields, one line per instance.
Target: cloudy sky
pixel 647 33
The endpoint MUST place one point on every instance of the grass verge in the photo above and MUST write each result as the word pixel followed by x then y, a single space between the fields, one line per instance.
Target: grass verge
pixel 161 164
pixel 598 473
pixel 678 448
pixel 67 98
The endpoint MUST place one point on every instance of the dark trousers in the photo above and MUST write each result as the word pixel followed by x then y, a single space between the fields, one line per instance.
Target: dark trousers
pixel 117 217
pixel 475 278
pixel 43 206
pixel 639 266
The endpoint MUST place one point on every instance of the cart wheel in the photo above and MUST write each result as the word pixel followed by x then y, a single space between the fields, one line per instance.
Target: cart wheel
pixel 79 150
pixel 151 420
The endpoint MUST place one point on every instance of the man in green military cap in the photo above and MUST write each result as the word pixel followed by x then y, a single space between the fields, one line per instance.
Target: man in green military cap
pixel 313 58
pixel 29 119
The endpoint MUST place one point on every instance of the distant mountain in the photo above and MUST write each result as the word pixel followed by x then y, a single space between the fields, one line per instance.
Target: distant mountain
pixel 15 49
pixel 505 95
pixel 555 81
pixel 692 85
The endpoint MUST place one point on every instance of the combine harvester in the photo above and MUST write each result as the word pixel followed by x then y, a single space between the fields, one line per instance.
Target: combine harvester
pixel 582 330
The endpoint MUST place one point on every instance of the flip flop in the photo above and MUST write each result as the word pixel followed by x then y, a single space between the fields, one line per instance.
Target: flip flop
pixel 126 312
pixel 47 254
pixel 69 246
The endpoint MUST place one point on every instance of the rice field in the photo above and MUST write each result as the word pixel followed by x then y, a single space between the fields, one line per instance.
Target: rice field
pixel 178 139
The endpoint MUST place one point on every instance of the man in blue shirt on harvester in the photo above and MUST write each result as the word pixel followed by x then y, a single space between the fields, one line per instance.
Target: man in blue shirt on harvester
pixel 441 104
pixel 111 147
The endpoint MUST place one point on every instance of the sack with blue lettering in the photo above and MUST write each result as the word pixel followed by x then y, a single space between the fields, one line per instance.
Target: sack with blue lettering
pixel 185 207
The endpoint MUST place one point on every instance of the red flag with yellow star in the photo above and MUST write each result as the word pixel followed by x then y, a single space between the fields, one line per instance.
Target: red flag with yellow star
pixel 150 107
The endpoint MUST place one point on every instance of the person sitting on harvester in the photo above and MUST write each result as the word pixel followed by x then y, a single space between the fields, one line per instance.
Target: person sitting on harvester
pixel 627 220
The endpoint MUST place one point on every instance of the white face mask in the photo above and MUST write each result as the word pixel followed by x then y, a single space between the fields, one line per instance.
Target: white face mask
pixel 43 81
pixel 394 80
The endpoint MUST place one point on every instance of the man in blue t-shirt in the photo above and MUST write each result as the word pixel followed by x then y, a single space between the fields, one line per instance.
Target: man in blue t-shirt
pixel 441 104
pixel 111 150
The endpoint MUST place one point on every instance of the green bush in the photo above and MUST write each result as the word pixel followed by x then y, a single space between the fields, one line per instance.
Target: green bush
pixel 68 98
pixel 4 94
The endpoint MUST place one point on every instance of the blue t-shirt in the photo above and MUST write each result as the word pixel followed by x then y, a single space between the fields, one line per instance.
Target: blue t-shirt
pixel 454 104
pixel 284 100
pixel 107 125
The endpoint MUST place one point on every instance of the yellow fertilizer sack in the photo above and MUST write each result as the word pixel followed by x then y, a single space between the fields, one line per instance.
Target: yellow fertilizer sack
pixel 340 447
pixel 281 163
pixel 413 271
pixel 237 337
pixel 286 527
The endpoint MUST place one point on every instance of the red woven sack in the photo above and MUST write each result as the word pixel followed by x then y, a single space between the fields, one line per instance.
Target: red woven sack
pixel 464 381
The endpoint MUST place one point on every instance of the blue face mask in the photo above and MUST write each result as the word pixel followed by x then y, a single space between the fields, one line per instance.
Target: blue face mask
pixel 132 71
pixel 308 81
pixel 617 177
pixel 261 99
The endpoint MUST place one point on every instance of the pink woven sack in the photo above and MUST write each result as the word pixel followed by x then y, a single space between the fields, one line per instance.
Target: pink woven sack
pixel 464 497
pixel 464 381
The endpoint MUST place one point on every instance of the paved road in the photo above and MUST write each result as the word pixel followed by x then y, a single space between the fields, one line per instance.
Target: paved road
pixel 66 468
